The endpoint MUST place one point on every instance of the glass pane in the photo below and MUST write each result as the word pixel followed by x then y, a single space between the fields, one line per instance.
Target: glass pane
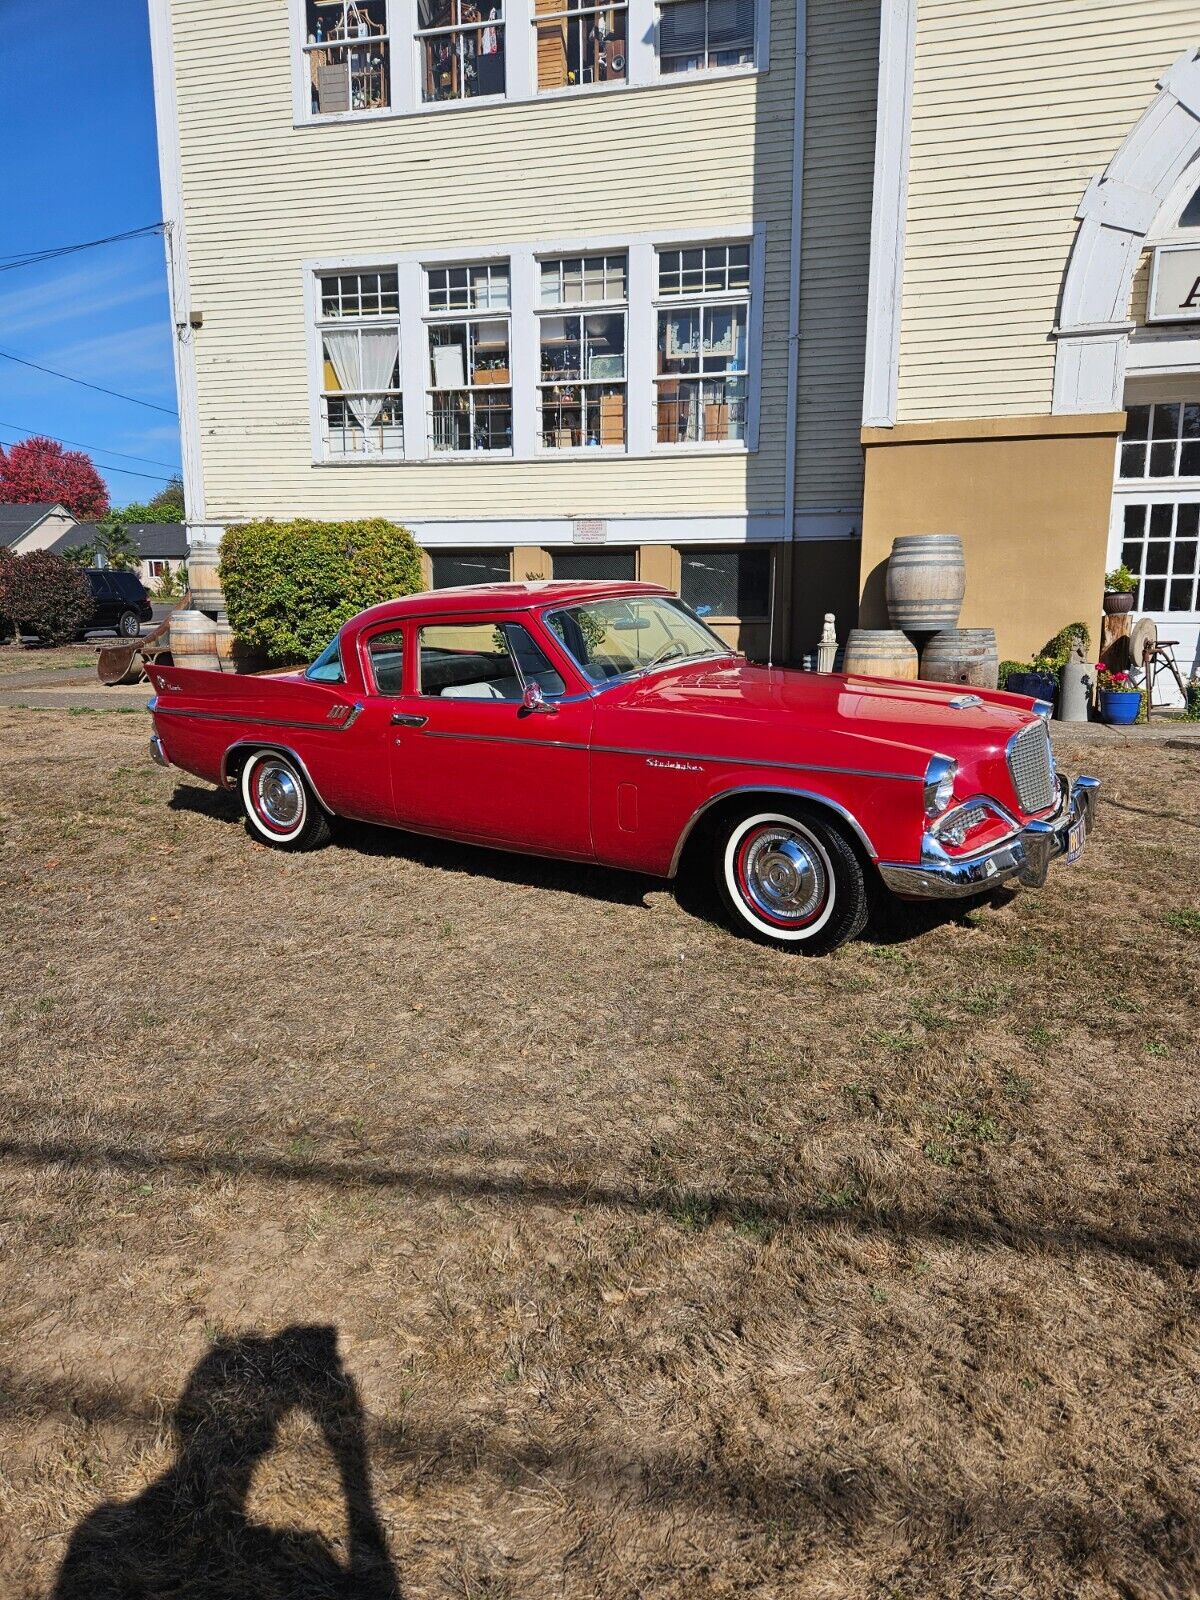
pixel 1187 520
pixel 670 268
pixel 1189 460
pixel 1137 422
pixel 490 352
pixel 1162 460
pixel 692 276
pixel 386 651
pixel 730 26
pixel 467 661
pixel 726 583
pixel 1191 421
pixel 681 34
pixel 739 266
pixel 1180 595
pixel 588 566
pixel 1183 560
pixel 604 343
pixel 561 345
pixel 1135 521
pixel 1131 556
pixel 1161 518
pixel 1133 460
pixel 530 657
pixel 448 348
pixel 1154 594
pixel 724 344
pixel 453 568
pixel 550 283
pixel 679 340
pixel 1190 216
pixel 1166 421
pixel 1157 555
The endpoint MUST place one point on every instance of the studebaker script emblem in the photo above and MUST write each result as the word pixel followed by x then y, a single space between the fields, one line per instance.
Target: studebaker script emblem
pixel 675 766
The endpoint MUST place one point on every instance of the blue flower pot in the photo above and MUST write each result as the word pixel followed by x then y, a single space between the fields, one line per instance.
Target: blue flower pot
pixel 1120 708
pixel 1037 685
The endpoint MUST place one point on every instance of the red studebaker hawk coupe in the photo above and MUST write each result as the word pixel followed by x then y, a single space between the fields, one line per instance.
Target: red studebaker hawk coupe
pixel 605 722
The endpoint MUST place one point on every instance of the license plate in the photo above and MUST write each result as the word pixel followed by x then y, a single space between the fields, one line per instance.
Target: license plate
pixel 1075 838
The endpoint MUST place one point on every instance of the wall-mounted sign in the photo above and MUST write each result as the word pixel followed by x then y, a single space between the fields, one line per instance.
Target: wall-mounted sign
pixel 1174 284
pixel 589 530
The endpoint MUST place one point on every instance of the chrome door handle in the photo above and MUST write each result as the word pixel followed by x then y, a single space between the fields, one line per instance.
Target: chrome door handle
pixel 405 719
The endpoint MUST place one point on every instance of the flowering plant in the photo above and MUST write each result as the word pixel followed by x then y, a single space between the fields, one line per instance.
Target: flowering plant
pixel 1109 682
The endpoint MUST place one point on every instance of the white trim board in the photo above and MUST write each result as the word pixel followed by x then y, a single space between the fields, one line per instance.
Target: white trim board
pixel 889 207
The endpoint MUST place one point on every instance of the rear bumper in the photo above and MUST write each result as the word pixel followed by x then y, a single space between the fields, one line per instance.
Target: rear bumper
pixel 157 751
pixel 1025 858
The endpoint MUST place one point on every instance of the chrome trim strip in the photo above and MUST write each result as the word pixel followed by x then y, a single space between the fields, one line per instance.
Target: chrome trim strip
pixel 257 721
pixel 946 820
pixel 259 744
pixel 766 789
pixel 680 755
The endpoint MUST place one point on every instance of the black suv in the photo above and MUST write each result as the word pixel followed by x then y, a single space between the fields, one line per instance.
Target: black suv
pixel 119 601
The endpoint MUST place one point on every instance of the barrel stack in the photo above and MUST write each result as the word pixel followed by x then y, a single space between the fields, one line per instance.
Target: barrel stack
pixel 926 581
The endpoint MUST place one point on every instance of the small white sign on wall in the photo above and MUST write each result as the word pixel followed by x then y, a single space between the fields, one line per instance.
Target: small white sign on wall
pixel 1174 284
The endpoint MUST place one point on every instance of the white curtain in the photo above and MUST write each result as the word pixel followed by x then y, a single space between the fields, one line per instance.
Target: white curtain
pixel 362 359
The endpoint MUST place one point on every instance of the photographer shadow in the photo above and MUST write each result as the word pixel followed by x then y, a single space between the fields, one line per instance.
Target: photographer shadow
pixel 188 1535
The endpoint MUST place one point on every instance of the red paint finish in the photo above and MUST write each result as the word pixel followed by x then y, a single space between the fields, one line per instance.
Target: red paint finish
pixel 615 774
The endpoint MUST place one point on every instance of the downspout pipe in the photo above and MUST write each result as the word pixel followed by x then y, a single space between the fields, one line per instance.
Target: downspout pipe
pixel 791 447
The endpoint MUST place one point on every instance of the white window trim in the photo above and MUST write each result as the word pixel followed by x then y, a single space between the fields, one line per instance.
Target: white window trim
pixel 449 317
pixel 525 349
pixel 520 64
pixel 581 309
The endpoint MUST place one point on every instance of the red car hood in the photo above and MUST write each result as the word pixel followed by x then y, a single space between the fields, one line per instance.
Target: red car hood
pixel 871 723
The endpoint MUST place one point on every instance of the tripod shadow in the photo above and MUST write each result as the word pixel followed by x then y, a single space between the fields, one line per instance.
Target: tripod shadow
pixel 188 1534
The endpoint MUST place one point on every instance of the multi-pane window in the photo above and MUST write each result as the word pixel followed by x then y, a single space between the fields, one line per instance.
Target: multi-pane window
pixel 1161 441
pixel 1160 545
pixel 588 566
pixel 362 413
pixel 726 583
pixel 582 351
pixel 346 55
pixel 578 43
pixel 693 34
pixel 470 384
pixel 461 44
pixel 702 367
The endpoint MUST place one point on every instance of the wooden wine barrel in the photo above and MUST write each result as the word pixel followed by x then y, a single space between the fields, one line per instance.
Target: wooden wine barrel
pixel 926 577
pixel 194 641
pixel 962 655
pixel 225 643
pixel 204 578
pixel 879 653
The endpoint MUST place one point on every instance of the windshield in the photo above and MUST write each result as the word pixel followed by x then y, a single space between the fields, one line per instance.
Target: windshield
pixel 632 633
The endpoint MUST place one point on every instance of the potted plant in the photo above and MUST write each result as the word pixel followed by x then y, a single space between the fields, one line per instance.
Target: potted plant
pixel 1038 679
pixel 1119 698
pixel 1119 586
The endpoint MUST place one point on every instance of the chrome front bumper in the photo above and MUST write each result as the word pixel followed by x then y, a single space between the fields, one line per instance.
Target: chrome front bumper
pixel 1026 857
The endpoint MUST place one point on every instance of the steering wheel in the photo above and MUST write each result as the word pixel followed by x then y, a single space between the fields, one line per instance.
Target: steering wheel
pixel 673 647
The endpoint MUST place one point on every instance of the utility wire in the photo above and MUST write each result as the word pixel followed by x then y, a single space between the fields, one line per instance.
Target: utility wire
pixel 84 384
pixel 40 433
pixel 125 472
pixel 34 257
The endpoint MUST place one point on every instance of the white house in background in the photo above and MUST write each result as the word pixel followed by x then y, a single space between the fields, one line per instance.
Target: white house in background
pixel 162 546
pixel 33 527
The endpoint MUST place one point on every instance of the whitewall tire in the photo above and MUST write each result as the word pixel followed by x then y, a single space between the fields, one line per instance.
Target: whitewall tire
pixel 792 879
pixel 281 809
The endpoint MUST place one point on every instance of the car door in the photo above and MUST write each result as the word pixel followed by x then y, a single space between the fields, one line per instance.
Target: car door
pixel 104 609
pixel 470 759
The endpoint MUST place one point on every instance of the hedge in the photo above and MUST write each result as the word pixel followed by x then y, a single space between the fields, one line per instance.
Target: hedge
pixel 289 586
pixel 46 594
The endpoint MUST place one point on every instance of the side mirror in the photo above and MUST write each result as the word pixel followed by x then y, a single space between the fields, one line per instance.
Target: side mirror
pixel 533 700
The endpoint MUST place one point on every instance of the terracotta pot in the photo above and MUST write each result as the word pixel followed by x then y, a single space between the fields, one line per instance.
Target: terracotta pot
pixel 1116 604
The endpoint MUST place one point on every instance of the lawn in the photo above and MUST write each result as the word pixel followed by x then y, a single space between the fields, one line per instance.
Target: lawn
pixel 658 1264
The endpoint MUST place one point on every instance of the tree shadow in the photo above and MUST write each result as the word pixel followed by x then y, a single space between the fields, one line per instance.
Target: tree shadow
pixel 188 1535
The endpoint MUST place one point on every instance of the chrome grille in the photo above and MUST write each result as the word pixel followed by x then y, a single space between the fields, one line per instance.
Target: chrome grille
pixel 1031 762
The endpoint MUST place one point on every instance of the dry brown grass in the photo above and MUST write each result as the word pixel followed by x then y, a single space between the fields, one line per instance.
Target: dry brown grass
pixel 663 1264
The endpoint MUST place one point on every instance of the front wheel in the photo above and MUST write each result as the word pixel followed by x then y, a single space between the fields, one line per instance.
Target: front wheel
pixel 281 808
pixel 791 879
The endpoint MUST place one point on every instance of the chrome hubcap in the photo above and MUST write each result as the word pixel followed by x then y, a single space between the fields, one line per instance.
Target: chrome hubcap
pixel 782 874
pixel 280 797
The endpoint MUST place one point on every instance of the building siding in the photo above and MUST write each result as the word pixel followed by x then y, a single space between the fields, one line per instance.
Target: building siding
pixel 261 196
pixel 1017 104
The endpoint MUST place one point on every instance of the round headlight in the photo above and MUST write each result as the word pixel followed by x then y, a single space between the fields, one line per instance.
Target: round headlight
pixel 939 784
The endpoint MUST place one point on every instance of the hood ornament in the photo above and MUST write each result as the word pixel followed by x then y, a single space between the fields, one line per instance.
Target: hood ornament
pixel 964 702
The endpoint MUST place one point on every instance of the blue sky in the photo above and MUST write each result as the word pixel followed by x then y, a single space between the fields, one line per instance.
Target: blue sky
pixel 80 162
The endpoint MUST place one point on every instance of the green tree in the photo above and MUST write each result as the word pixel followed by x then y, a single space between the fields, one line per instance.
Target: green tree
pixel 119 548
pixel 80 555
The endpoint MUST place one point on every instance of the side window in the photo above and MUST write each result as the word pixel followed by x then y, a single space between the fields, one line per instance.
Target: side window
pixel 468 661
pixel 327 668
pixel 530 658
pixel 386 651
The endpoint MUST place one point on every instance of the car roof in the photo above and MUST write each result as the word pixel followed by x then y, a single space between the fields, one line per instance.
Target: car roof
pixel 501 597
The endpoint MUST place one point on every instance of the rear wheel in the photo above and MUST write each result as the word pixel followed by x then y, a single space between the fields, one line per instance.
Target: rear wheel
pixel 281 808
pixel 129 625
pixel 790 878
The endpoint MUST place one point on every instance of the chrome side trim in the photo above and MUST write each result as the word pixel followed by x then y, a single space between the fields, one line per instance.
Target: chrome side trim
pixel 257 721
pixel 283 749
pixel 767 789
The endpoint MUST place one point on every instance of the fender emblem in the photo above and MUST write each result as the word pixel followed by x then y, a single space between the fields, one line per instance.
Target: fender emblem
pixel 673 765
pixel 337 713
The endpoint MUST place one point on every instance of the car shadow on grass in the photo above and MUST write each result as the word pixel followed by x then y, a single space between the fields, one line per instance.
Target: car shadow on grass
pixel 190 1531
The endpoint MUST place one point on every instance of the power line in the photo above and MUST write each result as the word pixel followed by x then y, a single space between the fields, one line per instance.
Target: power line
pixel 34 257
pixel 101 466
pixel 40 433
pixel 84 384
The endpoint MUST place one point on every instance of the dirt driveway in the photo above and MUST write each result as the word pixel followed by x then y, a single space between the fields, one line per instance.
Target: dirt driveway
pixel 656 1264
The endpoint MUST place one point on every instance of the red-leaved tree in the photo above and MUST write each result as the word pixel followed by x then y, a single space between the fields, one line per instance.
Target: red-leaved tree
pixel 41 470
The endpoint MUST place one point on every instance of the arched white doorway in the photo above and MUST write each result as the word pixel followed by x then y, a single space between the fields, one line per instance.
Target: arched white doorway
pixel 1112 356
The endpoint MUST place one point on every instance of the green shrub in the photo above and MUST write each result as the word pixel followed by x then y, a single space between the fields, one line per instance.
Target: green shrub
pixel 43 593
pixel 1191 700
pixel 1057 651
pixel 289 586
